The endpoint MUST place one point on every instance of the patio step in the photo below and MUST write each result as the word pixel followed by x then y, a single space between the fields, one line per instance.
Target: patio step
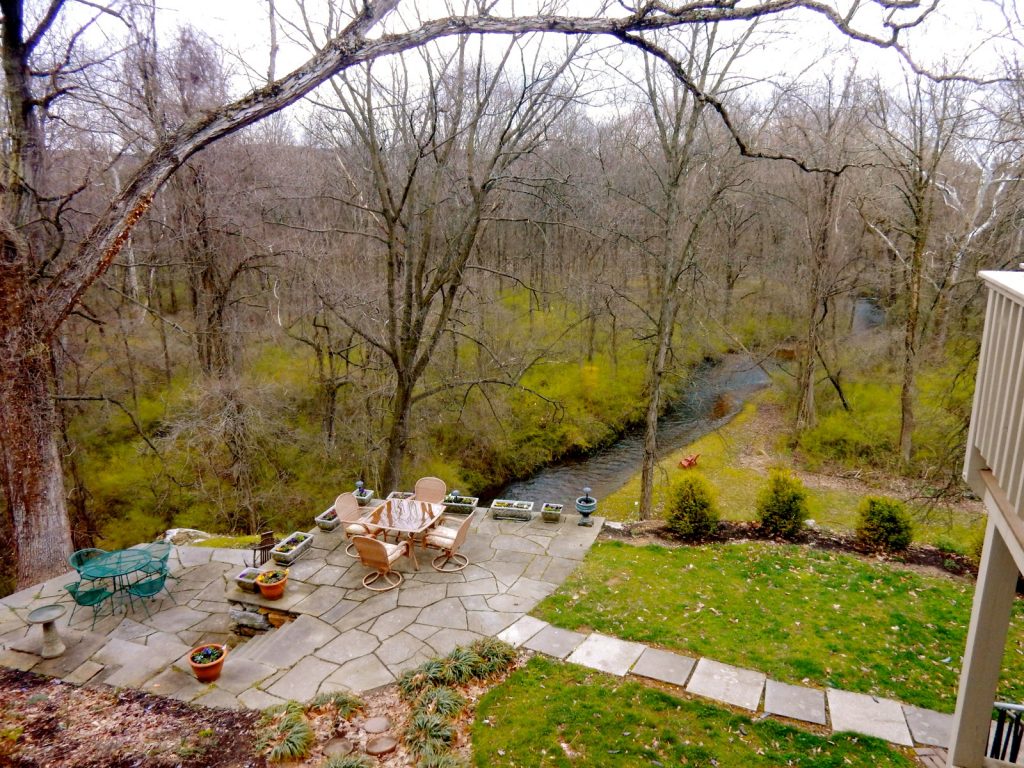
pixel 251 647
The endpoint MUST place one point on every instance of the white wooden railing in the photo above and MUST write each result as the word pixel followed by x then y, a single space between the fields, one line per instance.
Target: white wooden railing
pixel 996 438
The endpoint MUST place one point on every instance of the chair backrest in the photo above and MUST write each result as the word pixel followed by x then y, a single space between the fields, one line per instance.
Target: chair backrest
pixel 261 551
pixel 149 587
pixel 87 597
pixel 82 556
pixel 159 550
pixel 460 537
pixel 347 508
pixel 372 553
pixel 430 489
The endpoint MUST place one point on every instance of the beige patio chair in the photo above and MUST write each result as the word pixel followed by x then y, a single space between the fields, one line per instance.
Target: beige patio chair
pixel 448 540
pixel 349 512
pixel 380 556
pixel 430 489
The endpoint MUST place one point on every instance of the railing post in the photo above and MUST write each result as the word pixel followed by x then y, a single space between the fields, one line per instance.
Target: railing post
pixel 986 641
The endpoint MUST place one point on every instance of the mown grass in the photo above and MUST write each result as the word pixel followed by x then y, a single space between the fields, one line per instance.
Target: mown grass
pixel 797 614
pixel 554 714
pixel 736 486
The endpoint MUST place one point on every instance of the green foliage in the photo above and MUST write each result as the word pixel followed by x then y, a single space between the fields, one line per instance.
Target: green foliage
pixel 343 703
pixel 552 708
pixel 432 759
pixel 884 524
pixel 790 611
pixel 285 733
pixel 442 700
pixel 782 505
pixel 457 666
pixel 864 435
pixel 493 656
pixel 412 681
pixel 692 512
pixel 428 732
pixel 350 761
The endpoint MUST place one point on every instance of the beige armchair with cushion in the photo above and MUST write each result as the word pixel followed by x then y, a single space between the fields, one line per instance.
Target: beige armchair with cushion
pixel 349 512
pixel 380 556
pixel 448 540
pixel 430 489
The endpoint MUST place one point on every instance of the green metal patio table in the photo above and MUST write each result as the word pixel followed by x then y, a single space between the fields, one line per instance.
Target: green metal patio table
pixel 117 566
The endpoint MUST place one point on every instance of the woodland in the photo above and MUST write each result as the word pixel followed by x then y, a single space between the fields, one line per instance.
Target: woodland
pixel 476 243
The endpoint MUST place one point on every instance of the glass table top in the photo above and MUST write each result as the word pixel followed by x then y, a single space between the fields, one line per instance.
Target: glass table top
pixel 407 515
pixel 117 563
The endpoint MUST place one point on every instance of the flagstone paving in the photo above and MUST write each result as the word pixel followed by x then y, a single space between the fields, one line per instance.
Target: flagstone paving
pixel 348 638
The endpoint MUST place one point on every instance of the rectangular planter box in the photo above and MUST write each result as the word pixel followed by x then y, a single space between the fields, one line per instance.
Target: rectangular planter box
pixel 460 505
pixel 364 501
pixel 400 495
pixel 551 513
pixel 510 509
pixel 246 580
pixel 327 520
pixel 301 541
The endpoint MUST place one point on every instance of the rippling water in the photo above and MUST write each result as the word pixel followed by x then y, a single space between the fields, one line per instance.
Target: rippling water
pixel 715 394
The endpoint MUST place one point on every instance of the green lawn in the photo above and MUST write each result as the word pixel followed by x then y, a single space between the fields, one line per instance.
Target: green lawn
pixel 736 486
pixel 554 714
pixel 797 614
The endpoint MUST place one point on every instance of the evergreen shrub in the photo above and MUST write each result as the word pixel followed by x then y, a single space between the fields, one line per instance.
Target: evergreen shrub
pixel 883 523
pixel 692 511
pixel 782 505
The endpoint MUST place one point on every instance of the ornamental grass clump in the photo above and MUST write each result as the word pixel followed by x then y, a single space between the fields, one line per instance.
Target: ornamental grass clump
pixel 285 733
pixel 692 511
pixel 782 505
pixel 349 761
pixel 428 732
pixel 884 524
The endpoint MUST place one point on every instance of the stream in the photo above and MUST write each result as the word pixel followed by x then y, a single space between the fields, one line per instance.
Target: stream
pixel 716 392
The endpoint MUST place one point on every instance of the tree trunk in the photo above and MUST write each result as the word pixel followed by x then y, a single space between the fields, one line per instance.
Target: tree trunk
pixel 398 437
pixel 30 466
pixel 655 374
pixel 910 353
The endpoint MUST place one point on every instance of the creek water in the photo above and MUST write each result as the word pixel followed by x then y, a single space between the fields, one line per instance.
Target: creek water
pixel 716 392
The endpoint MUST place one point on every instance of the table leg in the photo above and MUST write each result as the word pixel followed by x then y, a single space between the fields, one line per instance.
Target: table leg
pixel 411 544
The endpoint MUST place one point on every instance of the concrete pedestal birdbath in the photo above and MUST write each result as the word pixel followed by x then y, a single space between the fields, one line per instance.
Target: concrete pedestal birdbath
pixel 53 644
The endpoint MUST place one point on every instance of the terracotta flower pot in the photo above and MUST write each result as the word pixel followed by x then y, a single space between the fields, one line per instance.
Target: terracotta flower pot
pixel 273 590
pixel 208 671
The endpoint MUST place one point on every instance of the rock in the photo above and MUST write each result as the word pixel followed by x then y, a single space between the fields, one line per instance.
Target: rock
pixel 338 747
pixel 376 725
pixel 249 619
pixel 183 536
pixel 381 745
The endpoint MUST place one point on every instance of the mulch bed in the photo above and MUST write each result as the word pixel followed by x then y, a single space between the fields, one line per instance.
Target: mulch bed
pixel 46 723
pixel 918 555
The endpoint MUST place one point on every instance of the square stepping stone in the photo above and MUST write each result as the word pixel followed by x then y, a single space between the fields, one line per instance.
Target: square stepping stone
pixel 794 701
pixel 933 729
pixel 555 641
pixel 522 631
pixel 665 666
pixel 870 715
pixel 303 680
pixel 726 683
pixel 607 654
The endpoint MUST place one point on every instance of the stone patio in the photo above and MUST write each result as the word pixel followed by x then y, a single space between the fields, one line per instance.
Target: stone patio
pixel 344 637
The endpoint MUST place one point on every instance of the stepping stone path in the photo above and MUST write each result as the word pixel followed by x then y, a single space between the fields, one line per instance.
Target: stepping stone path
pixel 338 747
pixel 345 637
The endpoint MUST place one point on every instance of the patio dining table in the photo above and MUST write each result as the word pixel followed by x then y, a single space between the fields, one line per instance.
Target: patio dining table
pixel 117 566
pixel 404 517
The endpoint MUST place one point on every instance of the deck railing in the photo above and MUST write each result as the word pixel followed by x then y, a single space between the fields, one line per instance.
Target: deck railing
pixel 996 438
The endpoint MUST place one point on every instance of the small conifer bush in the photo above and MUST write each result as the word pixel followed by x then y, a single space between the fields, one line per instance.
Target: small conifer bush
pixel 782 505
pixel 692 512
pixel 883 523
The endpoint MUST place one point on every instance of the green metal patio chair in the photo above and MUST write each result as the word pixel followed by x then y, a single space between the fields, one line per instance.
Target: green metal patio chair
pixel 93 597
pixel 160 551
pixel 148 588
pixel 82 556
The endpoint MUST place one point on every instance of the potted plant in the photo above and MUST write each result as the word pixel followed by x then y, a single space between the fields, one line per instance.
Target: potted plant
pixel 291 548
pixel 510 509
pixel 207 661
pixel 362 494
pixel 327 520
pixel 272 583
pixel 247 579
pixel 551 513
pixel 586 505
pixel 400 495
pixel 459 504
